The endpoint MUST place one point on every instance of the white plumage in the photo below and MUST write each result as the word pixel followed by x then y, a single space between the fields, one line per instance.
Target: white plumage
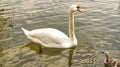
pixel 49 37
pixel 53 38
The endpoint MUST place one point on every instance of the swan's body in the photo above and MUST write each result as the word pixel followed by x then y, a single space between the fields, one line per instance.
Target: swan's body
pixel 53 38
pixel 50 37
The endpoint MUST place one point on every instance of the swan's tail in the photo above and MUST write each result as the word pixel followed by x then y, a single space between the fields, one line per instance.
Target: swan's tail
pixel 26 32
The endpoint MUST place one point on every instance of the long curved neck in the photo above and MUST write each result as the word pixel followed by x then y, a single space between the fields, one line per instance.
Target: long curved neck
pixel 71 27
pixel 107 56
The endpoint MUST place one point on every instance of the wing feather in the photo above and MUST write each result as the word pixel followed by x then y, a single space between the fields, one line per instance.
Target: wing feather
pixel 50 37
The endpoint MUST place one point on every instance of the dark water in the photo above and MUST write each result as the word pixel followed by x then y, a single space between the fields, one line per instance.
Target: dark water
pixel 97 29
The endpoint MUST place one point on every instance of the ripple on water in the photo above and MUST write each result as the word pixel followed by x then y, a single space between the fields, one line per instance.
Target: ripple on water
pixel 97 28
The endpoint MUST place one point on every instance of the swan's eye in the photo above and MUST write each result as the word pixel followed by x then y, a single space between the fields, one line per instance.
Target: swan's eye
pixel 78 7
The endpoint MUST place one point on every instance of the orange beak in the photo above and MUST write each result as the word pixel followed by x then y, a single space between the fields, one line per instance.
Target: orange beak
pixel 78 9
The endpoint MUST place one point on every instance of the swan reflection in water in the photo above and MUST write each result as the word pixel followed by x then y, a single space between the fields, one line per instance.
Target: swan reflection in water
pixel 56 53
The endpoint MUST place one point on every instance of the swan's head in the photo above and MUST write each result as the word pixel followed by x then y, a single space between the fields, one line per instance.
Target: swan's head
pixel 75 7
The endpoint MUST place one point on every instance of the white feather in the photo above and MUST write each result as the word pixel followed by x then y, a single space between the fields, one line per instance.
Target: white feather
pixel 53 38
pixel 25 31
pixel 49 37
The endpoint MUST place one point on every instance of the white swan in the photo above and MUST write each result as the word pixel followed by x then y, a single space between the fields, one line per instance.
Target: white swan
pixel 53 38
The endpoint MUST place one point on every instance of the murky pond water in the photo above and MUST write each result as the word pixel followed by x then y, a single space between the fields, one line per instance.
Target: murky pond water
pixel 97 29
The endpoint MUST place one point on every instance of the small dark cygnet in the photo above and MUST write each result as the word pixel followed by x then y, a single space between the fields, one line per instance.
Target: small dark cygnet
pixel 110 62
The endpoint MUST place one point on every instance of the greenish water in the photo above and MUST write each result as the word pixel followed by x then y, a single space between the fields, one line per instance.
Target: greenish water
pixel 97 29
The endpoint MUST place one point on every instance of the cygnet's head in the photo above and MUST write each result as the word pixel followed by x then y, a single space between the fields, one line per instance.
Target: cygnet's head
pixel 75 7
pixel 105 52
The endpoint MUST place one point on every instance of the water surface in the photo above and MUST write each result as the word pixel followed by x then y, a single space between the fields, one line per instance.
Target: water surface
pixel 97 29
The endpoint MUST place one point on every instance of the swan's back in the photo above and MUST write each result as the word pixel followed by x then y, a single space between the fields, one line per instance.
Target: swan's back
pixel 50 37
